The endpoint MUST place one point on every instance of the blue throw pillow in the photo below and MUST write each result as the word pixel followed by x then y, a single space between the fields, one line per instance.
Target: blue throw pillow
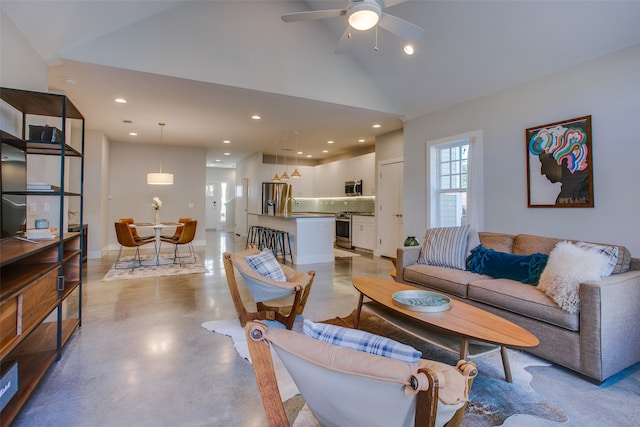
pixel 266 264
pixel 523 268
pixel 356 339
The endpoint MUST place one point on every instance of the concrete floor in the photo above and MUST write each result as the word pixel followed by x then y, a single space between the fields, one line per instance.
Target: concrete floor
pixel 141 357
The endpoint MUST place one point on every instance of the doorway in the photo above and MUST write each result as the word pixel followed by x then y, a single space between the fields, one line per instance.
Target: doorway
pixel 389 213
pixel 216 198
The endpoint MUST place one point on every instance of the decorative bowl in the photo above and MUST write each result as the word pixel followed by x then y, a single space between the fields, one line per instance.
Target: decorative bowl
pixel 424 301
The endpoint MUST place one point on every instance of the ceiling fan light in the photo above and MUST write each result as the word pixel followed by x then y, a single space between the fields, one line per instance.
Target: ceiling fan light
pixel 364 16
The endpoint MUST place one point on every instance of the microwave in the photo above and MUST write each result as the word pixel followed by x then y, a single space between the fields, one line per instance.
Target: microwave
pixel 353 188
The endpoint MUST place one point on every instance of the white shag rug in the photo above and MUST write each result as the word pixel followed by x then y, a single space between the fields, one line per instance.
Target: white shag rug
pixel 232 328
pixel 124 273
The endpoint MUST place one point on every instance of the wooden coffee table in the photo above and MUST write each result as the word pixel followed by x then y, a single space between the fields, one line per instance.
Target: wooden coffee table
pixel 464 329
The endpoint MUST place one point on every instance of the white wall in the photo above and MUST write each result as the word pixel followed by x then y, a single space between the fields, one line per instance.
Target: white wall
pixel 96 192
pixel 131 196
pixel 21 67
pixel 608 89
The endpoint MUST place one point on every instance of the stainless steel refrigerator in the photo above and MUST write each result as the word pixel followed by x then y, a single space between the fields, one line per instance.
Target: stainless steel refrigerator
pixel 276 198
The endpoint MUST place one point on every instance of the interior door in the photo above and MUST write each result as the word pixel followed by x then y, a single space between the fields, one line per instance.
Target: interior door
pixel 390 208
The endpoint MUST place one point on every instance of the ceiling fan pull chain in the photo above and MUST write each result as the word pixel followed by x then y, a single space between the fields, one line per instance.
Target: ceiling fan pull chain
pixel 376 46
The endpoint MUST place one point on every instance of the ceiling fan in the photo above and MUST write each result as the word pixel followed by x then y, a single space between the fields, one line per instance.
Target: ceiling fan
pixel 363 15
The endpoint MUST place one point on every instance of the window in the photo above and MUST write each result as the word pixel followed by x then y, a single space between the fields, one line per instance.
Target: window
pixel 455 181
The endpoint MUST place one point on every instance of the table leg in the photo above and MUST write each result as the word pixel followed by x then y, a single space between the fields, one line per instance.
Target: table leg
pixel 505 363
pixel 158 230
pixel 358 311
pixel 464 348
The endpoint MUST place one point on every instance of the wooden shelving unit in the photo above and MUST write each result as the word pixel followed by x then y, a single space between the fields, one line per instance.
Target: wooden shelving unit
pixel 40 281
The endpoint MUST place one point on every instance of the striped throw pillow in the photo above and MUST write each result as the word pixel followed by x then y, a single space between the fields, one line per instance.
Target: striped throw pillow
pixel 611 252
pixel 266 264
pixel 445 247
pixel 356 339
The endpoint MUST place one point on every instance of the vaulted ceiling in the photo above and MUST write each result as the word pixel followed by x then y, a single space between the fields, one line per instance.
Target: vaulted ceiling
pixel 204 67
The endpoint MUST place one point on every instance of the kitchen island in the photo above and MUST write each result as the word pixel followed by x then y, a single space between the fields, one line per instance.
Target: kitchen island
pixel 312 234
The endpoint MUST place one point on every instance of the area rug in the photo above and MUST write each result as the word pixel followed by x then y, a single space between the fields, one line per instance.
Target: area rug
pixel 492 402
pixel 339 253
pixel 123 273
pixel 232 328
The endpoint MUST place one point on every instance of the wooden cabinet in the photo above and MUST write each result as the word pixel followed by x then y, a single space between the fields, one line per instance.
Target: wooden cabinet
pixel 40 280
pixel 363 228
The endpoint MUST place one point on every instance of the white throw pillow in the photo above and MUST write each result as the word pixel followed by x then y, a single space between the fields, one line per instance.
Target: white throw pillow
pixel 266 264
pixel 445 247
pixel 568 266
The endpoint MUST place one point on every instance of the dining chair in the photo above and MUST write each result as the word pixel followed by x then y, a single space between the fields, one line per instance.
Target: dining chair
pixel 346 387
pixel 124 233
pixel 185 238
pixel 178 231
pixel 134 231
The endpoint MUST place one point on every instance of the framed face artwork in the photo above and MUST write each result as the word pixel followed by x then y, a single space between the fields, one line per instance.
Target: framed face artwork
pixel 559 164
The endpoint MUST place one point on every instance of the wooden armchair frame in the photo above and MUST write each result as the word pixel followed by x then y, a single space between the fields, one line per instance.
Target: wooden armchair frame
pixel 262 362
pixel 298 284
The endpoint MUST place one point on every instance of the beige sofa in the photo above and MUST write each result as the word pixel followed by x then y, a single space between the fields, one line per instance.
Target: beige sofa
pixel 598 342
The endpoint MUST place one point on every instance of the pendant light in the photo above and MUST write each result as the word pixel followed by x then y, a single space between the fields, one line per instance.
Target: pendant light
pixel 276 177
pixel 295 174
pixel 155 178
pixel 284 176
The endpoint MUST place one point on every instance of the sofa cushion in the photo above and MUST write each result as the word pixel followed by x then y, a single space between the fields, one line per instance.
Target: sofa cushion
pixel 523 268
pixel 527 301
pixel 502 242
pixel 528 244
pixel 450 280
pixel 445 247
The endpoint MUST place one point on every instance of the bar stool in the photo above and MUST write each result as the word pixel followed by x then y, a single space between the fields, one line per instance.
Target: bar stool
pixel 282 243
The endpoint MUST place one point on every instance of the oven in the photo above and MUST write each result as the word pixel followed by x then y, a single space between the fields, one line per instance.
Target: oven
pixel 343 230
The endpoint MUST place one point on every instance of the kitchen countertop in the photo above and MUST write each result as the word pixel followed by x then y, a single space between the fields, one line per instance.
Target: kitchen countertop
pixel 294 215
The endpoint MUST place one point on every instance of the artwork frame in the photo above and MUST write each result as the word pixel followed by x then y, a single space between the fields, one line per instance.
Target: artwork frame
pixel 561 153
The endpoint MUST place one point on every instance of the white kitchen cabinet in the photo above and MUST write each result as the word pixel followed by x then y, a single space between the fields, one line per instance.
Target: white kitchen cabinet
pixel 363 229
pixel 303 186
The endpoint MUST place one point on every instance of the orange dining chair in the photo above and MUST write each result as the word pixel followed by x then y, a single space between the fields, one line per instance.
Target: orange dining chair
pixel 125 238
pixel 185 238
pixel 134 231
pixel 176 234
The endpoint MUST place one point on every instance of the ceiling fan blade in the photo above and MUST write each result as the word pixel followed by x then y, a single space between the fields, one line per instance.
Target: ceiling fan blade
pixel 312 15
pixel 401 28
pixel 389 3
pixel 343 44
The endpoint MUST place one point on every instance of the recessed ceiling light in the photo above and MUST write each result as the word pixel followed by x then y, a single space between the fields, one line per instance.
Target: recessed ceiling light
pixel 133 133
pixel 408 49
pixel 226 141
pixel 256 117
pixel 330 142
pixel 227 154
pixel 217 160
pixel 70 81
pixel 120 100
pixel 325 151
pixel 377 125
pixel 309 155
pixel 299 152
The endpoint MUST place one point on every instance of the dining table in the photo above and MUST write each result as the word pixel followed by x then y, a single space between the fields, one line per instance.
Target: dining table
pixel 157 230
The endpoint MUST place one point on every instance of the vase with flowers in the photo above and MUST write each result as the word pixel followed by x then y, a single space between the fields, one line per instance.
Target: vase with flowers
pixel 156 207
